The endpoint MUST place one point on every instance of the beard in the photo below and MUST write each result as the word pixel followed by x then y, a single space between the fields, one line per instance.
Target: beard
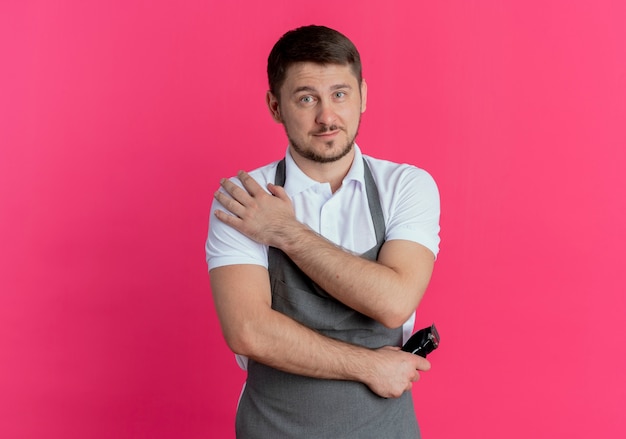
pixel 310 154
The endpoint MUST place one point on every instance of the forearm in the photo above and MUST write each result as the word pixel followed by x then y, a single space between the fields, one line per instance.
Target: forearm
pixel 378 289
pixel 252 328
pixel 280 342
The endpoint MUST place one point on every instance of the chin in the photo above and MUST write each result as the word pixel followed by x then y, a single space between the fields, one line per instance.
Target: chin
pixel 323 151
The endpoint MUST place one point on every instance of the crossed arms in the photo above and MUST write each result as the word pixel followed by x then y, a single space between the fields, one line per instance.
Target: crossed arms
pixel 387 290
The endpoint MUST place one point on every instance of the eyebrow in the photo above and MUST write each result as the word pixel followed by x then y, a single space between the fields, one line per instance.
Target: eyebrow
pixel 308 88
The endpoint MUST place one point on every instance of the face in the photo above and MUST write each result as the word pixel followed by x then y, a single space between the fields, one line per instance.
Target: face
pixel 320 107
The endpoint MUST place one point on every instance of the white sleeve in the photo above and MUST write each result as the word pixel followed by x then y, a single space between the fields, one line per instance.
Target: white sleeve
pixel 414 210
pixel 227 246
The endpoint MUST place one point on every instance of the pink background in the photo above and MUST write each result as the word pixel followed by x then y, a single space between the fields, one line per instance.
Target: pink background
pixel 117 118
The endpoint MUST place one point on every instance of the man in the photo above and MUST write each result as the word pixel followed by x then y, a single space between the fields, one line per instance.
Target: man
pixel 318 261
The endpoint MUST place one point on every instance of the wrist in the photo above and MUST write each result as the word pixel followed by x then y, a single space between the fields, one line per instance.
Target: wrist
pixel 292 236
pixel 361 365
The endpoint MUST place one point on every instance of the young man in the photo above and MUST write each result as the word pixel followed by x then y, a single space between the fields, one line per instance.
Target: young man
pixel 318 261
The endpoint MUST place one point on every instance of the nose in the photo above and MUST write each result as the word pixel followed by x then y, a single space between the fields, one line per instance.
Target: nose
pixel 325 114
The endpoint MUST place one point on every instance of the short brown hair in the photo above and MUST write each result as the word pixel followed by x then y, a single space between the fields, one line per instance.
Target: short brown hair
pixel 317 44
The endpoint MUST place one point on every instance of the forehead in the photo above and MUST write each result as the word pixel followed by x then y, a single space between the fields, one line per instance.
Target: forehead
pixel 318 76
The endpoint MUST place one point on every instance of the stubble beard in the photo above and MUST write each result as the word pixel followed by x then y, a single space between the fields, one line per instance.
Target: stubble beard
pixel 315 157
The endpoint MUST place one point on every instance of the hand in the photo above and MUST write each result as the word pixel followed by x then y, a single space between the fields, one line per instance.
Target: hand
pixel 395 371
pixel 260 216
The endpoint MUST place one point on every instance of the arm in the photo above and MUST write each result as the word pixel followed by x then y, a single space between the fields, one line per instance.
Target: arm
pixel 387 290
pixel 243 302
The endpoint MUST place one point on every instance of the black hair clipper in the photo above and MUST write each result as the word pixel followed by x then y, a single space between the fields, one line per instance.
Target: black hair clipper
pixel 423 342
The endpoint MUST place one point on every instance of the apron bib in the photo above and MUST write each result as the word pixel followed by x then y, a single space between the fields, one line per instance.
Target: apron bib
pixel 276 404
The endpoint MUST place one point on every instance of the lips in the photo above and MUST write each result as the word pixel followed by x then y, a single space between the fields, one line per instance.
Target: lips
pixel 328 133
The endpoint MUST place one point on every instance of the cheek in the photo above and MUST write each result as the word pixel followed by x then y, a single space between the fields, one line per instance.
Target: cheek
pixel 294 123
pixel 352 116
pixel 292 129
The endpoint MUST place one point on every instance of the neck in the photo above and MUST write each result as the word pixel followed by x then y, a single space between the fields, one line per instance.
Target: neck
pixel 331 172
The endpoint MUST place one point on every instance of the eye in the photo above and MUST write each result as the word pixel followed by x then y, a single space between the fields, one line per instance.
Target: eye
pixel 340 94
pixel 306 99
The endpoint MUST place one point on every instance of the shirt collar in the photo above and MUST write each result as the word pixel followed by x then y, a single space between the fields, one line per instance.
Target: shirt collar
pixel 297 181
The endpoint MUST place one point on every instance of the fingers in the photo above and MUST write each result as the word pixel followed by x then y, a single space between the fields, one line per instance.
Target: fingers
pixel 232 203
pixel 422 363
pixel 239 194
pixel 398 372
pixel 419 364
pixel 278 191
pixel 413 379
pixel 234 198
pixel 249 183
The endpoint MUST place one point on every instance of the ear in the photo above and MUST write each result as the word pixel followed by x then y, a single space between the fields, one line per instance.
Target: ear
pixel 363 95
pixel 272 104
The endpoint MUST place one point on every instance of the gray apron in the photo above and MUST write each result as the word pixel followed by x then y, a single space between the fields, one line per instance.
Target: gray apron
pixel 276 404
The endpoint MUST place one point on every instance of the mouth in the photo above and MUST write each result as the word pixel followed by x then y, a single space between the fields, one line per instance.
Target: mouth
pixel 325 134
